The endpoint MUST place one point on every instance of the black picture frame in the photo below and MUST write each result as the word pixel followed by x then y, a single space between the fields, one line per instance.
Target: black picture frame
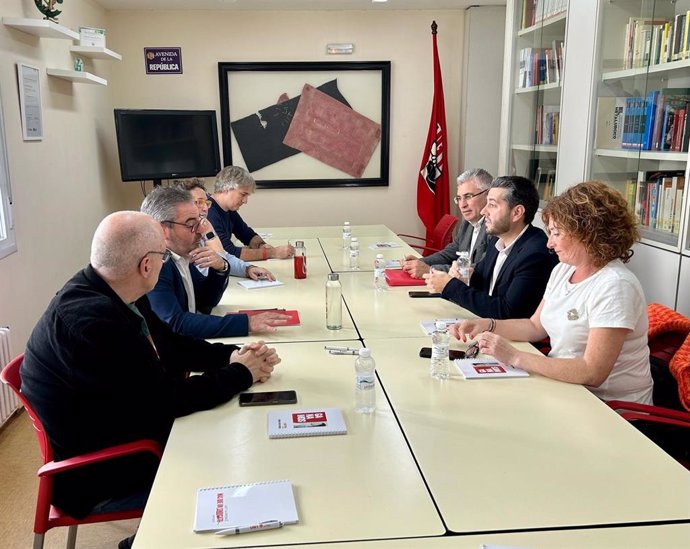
pixel 247 88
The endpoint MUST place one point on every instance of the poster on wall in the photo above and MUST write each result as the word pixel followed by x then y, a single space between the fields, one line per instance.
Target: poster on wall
pixel 163 60
pixel 30 102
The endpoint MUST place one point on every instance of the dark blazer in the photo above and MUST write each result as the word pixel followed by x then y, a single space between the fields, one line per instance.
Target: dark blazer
pixel 169 301
pixel 227 224
pixel 520 285
pixel 462 240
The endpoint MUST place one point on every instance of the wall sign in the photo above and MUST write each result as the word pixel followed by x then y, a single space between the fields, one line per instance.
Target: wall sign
pixel 30 102
pixel 163 60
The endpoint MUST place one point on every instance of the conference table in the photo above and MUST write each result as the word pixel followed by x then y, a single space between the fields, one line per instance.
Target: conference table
pixel 524 462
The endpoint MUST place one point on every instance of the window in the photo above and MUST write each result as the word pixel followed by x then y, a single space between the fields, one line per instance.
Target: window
pixel 7 238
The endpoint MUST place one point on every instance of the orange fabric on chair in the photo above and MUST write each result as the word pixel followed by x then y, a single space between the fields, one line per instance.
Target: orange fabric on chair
pixel 662 320
pixel 680 369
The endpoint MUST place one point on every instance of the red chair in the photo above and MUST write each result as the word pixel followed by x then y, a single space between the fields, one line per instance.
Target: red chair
pixel 669 345
pixel 47 516
pixel 441 236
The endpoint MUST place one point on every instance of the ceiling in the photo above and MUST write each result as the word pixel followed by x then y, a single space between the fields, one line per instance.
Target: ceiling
pixel 287 5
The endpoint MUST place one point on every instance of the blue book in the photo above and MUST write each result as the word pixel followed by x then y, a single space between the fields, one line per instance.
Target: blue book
pixel 650 111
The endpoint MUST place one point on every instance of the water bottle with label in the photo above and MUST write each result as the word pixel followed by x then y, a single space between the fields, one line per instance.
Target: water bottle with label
pixel 365 382
pixel 347 234
pixel 354 254
pixel 380 273
pixel 334 302
pixel 463 265
pixel 440 341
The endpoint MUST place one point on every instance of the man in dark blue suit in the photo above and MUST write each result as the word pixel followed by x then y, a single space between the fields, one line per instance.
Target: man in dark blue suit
pixel 510 281
pixel 192 283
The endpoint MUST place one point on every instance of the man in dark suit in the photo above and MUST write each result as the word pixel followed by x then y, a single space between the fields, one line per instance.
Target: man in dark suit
pixel 184 295
pixel 470 234
pixel 510 281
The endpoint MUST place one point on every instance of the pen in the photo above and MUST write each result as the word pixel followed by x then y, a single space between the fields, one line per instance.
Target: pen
pixel 336 348
pixel 266 525
pixel 343 352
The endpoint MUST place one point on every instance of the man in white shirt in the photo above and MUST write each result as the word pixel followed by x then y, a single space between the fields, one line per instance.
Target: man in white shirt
pixel 510 281
pixel 470 234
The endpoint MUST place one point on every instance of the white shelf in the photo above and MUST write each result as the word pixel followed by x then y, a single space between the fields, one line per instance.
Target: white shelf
pixel 643 155
pixel 77 76
pixel 536 148
pixel 40 27
pixel 642 71
pixel 95 52
pixel 539 25
pixel 542 87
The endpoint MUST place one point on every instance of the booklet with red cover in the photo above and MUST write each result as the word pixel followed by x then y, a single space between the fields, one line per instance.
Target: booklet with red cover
pixel 398 277
pixel 293 313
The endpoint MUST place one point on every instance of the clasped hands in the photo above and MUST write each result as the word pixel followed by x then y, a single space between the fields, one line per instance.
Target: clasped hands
pixel 258 358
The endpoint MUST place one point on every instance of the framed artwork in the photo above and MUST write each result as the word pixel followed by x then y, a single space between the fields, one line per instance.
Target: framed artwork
pixel 30 102
pixel 303 124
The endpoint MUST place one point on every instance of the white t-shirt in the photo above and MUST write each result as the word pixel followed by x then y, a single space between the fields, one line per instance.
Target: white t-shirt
pixel 610 298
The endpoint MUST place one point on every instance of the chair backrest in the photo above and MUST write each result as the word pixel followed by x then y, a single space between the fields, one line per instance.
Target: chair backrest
pixel 443 232
pixel 10 376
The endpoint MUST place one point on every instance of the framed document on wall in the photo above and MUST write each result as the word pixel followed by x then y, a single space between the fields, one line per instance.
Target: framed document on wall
pixel 30 102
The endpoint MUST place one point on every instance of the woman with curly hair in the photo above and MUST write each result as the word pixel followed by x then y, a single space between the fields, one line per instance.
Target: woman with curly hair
pixel 593 309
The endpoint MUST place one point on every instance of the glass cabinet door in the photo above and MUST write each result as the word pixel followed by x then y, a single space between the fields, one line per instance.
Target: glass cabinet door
pixel 538 46
pixel 643 95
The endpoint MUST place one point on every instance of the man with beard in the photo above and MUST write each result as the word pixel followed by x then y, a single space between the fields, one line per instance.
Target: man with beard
pixel 510 281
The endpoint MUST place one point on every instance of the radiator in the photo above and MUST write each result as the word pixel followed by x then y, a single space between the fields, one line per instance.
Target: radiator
pixel 9 403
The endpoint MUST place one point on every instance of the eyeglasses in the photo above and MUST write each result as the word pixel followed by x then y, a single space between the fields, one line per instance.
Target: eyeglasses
pixel 165 255
pixel 472 351
pixel 467 197
pixel 201 201
pixel 192 227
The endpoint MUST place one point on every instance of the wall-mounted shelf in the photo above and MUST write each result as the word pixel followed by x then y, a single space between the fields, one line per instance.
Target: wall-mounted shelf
pixel 77 76
pixel 40 27
pixel 95 52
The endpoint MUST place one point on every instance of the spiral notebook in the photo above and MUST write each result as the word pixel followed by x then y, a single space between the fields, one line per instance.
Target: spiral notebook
pixel 306 423
pixel 223 507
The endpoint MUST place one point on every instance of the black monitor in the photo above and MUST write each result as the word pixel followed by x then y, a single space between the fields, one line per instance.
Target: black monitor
pixel 166 144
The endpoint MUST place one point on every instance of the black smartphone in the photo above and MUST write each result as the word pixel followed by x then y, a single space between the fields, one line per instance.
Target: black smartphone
pixel 422 294
pixel 267 398
pixel 425 352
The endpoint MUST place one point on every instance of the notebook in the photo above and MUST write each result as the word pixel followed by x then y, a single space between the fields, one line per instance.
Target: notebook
pixel 306 423
pixel 250 284
pixel 294 314
pixel 224 507
pixel 478 368
pixel 398 277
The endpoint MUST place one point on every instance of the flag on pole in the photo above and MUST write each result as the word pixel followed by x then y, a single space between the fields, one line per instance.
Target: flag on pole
pixel 432 183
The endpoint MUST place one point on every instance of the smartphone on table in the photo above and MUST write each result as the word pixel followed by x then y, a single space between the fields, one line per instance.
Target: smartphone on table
pixel 414 293
pixel 267 398
pixel 425 352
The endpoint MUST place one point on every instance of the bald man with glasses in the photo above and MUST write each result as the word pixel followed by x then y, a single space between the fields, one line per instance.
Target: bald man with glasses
pixel 470 234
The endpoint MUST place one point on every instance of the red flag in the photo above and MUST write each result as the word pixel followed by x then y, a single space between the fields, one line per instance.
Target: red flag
pixel 432 183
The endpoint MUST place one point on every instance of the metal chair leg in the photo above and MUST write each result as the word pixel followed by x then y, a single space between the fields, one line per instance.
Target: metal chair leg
pixel 38 541
pixel 71 537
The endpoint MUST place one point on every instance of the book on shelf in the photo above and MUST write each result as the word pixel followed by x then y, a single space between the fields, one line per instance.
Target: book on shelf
pixel 306 423
pixel 244 505
pixel 610 116
pixel 292 313
pixel 633 123
pixel 656 199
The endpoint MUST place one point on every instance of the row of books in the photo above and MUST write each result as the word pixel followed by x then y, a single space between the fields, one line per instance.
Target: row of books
pixel 536 11
pixel 657 123
pixel 539 66
pixel 651 41
pixel 547 123
pixel 657 198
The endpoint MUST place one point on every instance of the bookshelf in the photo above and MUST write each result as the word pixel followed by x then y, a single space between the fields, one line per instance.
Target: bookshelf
pixel 639 133
pixel 532 84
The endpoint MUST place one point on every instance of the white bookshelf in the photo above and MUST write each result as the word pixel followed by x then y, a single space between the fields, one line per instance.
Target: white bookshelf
pixel 81 77
pixel 95 52
pixel 40 27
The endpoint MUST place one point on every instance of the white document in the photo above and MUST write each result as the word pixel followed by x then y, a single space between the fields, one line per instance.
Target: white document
pixel 393 264
pixel 384 245
pixel 429 326
pixel 478 368
pixel 250 284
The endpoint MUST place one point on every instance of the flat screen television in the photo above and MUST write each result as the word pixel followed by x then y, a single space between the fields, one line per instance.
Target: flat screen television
pixel 166 144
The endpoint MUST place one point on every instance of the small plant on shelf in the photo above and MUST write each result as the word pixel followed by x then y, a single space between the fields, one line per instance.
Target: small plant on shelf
pixel 47 8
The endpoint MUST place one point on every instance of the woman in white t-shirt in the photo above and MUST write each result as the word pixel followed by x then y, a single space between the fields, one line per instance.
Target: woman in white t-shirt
pixel 593 309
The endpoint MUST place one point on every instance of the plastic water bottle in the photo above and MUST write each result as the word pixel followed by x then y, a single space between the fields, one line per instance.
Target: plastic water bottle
pixel 440 365
pixel 347 234
pixel 380 273
pixel 365 382
pixel 334 302
pixel 354 254
pixel 463 265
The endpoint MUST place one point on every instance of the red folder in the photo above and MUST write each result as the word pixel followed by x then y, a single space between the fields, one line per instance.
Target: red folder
pixel 293 320
pixel 398 277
